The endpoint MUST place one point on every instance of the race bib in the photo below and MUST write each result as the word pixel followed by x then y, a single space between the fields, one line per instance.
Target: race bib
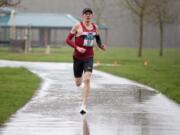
pixel 89 38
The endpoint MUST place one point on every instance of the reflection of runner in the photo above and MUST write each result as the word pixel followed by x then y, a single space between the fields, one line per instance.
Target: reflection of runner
pixel 85 126
pixel 84 33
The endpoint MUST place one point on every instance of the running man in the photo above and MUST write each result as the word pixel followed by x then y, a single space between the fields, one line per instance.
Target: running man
pixel 84 32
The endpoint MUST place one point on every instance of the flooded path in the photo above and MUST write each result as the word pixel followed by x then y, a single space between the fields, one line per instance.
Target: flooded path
pixel 117 106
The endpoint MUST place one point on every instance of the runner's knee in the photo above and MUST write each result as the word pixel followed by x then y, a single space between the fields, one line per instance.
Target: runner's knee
pixel 87 77
pixel 87 80
pixel 78 82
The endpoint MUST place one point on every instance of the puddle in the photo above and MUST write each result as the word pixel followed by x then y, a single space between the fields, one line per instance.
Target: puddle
pixel 117 106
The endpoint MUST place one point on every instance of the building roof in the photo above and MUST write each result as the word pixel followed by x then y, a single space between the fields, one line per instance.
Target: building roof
pixel 38 20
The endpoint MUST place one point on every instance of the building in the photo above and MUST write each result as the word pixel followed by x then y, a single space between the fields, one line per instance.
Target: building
pixel 42 29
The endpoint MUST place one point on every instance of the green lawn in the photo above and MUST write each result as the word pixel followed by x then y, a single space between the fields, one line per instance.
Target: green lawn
pixel 38 54
pixel 161 73
pixel 17 85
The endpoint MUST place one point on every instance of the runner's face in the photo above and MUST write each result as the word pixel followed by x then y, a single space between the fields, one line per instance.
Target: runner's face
pixel 87 16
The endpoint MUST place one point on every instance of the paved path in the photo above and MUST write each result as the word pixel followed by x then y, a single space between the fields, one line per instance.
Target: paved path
pixel 117 106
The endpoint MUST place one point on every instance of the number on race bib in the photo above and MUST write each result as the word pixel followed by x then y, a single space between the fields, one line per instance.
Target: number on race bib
pixel 89 39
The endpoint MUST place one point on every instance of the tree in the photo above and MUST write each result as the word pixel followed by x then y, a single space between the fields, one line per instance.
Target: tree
pixel 140 9
pixel 9 3
pixel 162 14
pixel 98 6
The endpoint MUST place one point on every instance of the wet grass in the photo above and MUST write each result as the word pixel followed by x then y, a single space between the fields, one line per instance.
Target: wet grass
pixel 161 73
pixel 38 54
pixel 17 85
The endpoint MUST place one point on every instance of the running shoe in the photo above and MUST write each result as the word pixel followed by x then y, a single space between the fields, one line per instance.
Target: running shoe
pixel 83 110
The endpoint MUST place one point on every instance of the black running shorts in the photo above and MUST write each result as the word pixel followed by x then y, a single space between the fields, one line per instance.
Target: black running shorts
pixel 82 65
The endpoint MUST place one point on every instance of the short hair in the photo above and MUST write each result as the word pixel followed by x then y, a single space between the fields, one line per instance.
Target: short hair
pixel 85 10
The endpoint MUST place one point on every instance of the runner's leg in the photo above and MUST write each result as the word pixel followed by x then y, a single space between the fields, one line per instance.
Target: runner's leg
pixel 78 70
pixel 86 88
pixel 88 67
pixel 78 81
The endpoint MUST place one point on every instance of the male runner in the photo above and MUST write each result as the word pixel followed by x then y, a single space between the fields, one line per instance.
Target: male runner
pixel 84 32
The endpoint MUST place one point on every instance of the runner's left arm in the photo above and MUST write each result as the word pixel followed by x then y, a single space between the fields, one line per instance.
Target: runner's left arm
pixel 98 39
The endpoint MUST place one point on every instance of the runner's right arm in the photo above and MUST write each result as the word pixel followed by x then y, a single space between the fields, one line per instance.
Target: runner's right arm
pixel 70 37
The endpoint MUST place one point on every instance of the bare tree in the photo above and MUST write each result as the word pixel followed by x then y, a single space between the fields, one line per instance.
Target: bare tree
pixel 98 6
pixel 140 9
pixel 163 13
pixel 9 2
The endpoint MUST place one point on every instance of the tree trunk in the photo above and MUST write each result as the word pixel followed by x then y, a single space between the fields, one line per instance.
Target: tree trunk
pixel 98 18
pixel 140 36
pixel 161 27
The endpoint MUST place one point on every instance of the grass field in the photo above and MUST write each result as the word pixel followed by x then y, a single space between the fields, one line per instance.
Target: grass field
pixel 17 85
pixel 38 54
pixel 161 73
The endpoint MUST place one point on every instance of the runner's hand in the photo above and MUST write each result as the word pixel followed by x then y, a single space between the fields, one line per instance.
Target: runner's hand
pixel 80 49
pixel 104 47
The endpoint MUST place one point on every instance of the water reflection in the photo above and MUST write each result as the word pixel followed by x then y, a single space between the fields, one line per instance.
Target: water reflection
pixel 116 107
pixel 142 94
pixel 85 126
